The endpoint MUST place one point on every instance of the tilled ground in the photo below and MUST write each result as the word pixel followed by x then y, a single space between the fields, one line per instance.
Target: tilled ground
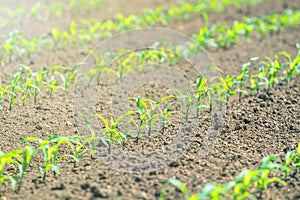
pixel 262 124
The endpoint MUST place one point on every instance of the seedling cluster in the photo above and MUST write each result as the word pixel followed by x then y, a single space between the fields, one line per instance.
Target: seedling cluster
pixel 248 182
pixel 220 36
pixel 147 113
pixel 26 83
pixel 42 11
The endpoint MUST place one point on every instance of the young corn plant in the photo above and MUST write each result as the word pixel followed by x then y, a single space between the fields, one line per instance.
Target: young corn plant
pixel 292 162
pixel 96 71
pixel 112 132
pixel 27 87
pixel 67 79
pixel 51 86
pixel 294 65
pixel 209 191
pixel 227 85
pixel 37 78
pixel 125 61
pixel 8 159
pixel 92 143
pixel 3 92
pixel 243 77
pixel 266 167
pixel 15 86
pixel 50 152
pixel 258 80
pixel 142 111
pixel 273 67
pixel 23 164
pixel 214 91
pixel 202 91
pixel 178 184
pixel 186 99
pixel 78 149
pixel 241 186
pixel 153 115
pixel 165 114
pixel 212 191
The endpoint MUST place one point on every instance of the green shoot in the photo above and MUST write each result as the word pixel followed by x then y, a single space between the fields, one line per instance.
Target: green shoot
pixel 125 65
pixel 264 171
pixel 50 153
pixel 202 91
pixel 261 80
pixel 142 111
pixel 187 101
pixel 3 91
pixel 244 76
pixel 15 86
pixel 111 130
pixel 165 114
pixel 292 161
pixel 28 154
pixel 78 150
pixel 242 184
pixel 37 81
pixel 6 159
pixel 178 184
pixel 153 116
pixel 67 80
pixel 273 68
pixel 227 86
pixel 51 85
pixel 211 191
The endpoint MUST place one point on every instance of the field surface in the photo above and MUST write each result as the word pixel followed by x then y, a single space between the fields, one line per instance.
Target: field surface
pixel 262 123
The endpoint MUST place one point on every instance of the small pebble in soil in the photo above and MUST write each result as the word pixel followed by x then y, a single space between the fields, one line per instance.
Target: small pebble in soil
pixel 59 187
pixel 85 186
pixel 38 127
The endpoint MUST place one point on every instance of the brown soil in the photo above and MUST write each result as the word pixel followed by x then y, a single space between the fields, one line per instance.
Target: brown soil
pixel 260 125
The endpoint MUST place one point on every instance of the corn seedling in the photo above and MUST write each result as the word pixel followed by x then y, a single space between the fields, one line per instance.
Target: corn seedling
pixel 51 85
pixel 165 114
pixel 292 161
pixel 23 164
pixel 212 90
pixel 264 170
pixel 67 80
pixel 15 86
pixel 50 152
pixel 37 81
pixel 293 65
pixel 112 131
pixel 258 80
pixel 202 90
pixel 227 86
pixel 273 67
pixel 6 159
pixel 92 143
pixel 125 65
pixel 27 87
pixel 186 99
pixel 97 70
pixel 142 111
pixel 242 184
pixel 243 77
pixel 211 191
pixel 178 184
pixel 78 150
pixel 153 116
pixel 3 91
